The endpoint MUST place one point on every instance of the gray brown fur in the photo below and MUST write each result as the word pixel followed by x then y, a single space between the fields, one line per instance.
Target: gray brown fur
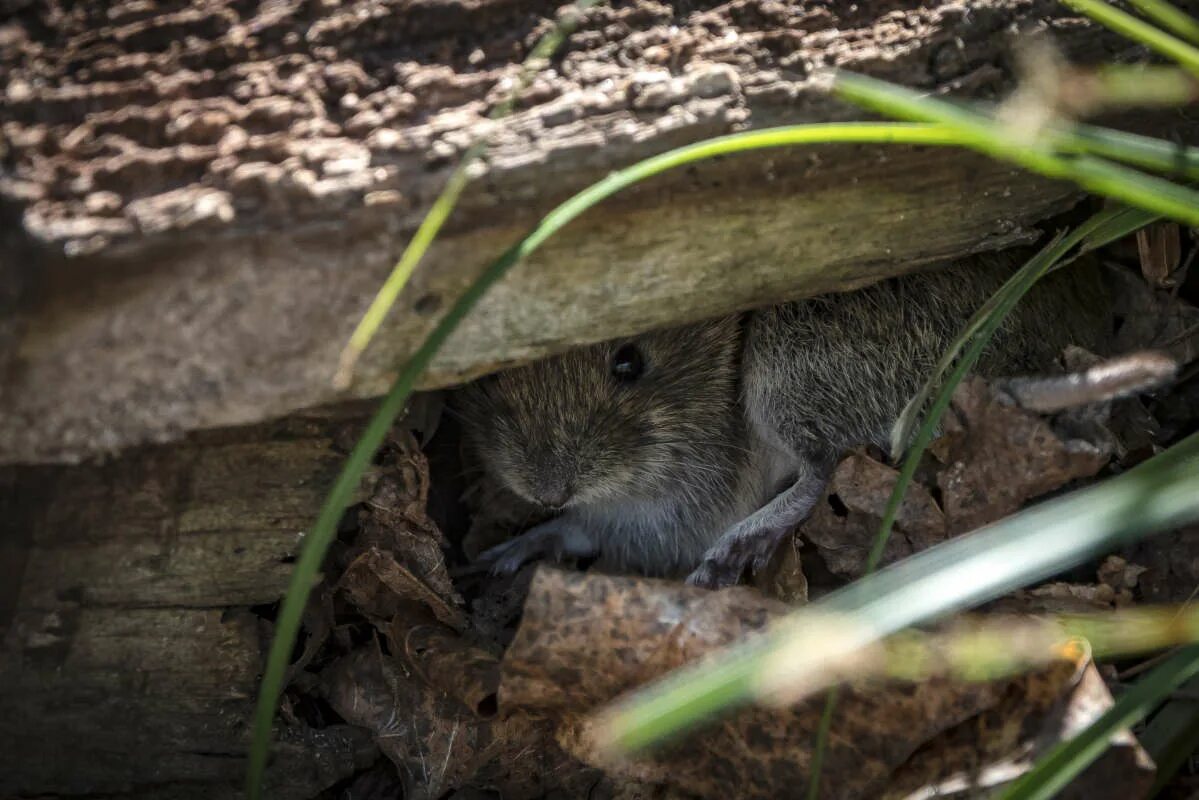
pixel 726 440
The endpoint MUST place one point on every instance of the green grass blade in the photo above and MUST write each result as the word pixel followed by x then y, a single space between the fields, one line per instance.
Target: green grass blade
pixel 1158 494
pixel 1169 17
pixel 1132 148
pixel 985 135
pixel 823 732
pixel 1119 86
pixel 443 206
pixel 316 543
pixel 1173 734
pixel 414 251
pixel 1138 30
pixel 1103 227
pixel 1067 760
pixel 1147 152
pixel 979 328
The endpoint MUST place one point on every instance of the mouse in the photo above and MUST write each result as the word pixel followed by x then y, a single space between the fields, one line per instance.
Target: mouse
pixel 693 451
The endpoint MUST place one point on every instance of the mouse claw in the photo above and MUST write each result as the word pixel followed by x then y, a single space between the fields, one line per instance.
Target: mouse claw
pixel 550 541
pixel 507 558
pixel 730 558
pixel 709 575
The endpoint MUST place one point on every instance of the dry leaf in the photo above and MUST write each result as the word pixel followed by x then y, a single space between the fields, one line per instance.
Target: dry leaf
pixel 380 587
pixel 844 525
pixel 784 578
pixel 439 746
pixel 1159 246
pixel 397 521
pixel 1003 741
pixel 398 557
pixel 993 456
pixel 587 638
pixel 1151 319
pixel 997 457
pixel 445 661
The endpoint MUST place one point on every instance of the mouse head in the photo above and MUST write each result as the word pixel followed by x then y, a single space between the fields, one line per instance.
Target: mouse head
pixel 632 418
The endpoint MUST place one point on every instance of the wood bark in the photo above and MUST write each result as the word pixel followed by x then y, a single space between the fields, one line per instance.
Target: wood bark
pixel 131 617
pixel 199 201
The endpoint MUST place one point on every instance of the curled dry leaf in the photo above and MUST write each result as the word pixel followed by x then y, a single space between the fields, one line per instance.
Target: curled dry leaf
pixel 784 578
pixel 1002 742
pixel 843 527
pixel 398 556
pixel 438 745
pixel 445 661
pixel 381 587
pixel 587 638
pixel 398 522
pixel 1159 247
pixel 997 457
pixel 992 458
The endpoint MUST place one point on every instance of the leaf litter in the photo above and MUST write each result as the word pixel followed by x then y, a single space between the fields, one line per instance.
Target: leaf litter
pixel 482 686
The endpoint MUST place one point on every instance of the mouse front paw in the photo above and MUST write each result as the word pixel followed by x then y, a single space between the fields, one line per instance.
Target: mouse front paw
pixel 550 541
pixel 729 559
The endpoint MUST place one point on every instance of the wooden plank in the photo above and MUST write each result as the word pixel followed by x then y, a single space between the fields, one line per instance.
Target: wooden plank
pixel 194 233
pixel 131 654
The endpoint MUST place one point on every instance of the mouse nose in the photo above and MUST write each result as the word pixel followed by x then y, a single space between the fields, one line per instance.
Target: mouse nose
pixel 554 493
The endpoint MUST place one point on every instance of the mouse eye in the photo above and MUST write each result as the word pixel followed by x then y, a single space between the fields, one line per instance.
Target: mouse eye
pixel 627 363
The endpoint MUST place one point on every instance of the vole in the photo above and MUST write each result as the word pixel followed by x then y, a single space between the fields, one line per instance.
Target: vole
pixel 697 449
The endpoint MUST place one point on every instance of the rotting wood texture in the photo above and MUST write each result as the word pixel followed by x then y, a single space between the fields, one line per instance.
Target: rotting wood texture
pixel 129 650
pixel 198 202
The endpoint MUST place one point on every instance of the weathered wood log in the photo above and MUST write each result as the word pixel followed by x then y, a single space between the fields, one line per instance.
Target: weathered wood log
pixel 198 203
pixel 129 650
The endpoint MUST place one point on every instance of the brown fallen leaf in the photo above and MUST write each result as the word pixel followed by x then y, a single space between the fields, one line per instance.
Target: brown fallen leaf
pixel 784 578
pixel 396 519
pixel 379 586
pixel 439 746
pixel 397 558
pixel 1159 246
pixel 587 638
pixel 992 458
pixel 436 743
pixel 843 527
pixel 1002 742
pixel 445 661
pixel 1171 563
pixel 997 457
